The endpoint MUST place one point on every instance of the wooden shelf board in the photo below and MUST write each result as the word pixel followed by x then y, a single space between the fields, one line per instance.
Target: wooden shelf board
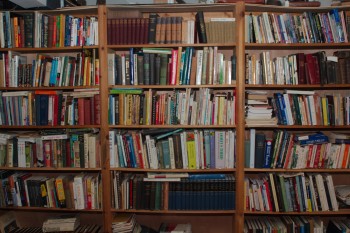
pixel 224 170
pixel 298 87
pixel 172 126
pixel 299 46
pixel 48 169
pixel 306 170
pixel 26 208
pixel 219 86
pixel 340 212
pixel 194 212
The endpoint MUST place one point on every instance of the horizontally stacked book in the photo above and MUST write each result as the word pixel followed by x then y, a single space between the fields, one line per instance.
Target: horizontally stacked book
pixel 125 223
pixel 259 110
pixel 61 223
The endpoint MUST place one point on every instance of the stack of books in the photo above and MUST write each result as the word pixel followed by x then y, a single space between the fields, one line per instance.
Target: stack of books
pixel 175 228
pixel 125 222
pixel 258 109
pixel 61 223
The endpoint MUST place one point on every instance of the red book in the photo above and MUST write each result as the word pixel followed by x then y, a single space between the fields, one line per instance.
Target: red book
pixel 81 111
pixel 54 31
pixel 137 141
pixel 118 31
pixel 87 109
pixel 138 31
pixel 310 69
pixel 50 31
pixel 110 32
pixel 301 68
pixel 144 28
pixel 309 156
pixel 97 109
pixel 55 110
pixel 268 194
pixel 317 155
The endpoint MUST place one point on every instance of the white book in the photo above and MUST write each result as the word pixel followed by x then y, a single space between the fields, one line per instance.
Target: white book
pixel 331 190
pixel 322 192
pixel 79 194
pixel 199 55
pixel 171 153
pixel 92 151
pixel 111 139
pixel 111 68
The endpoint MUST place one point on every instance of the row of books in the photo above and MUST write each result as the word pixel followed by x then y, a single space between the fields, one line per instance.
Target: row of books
pixel 180 107
pixel 45 70
pixel 300 68
pixel 197 192
pixel 308 108
pixel 78 149
pixel 38 30
pixel 172 149
pixel 53 108
pixel 81 191
pixel 296 192
pixel 307 27
pixel 288 150
pixel 170 30
pixel 269 224
pixel 163 66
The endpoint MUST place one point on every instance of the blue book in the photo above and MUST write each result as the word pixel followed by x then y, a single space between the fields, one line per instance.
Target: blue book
pixel 280 104
pixel 316 138
pixel 335 15
pixel 131 151
pixel 131 66
pixel 212 176
pixel 267 153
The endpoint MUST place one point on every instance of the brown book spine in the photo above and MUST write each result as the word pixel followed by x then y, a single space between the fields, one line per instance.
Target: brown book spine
pixel 158 30
pixel 117 31
pixel 138 31
pixel 110 30
pixel 22 34
pixel 173 30
pixel 168 28
pixel 178 29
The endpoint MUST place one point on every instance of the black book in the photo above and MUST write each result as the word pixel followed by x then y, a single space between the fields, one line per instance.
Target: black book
pixel 152 28
pixel 200 24
pixel 140 69
pixel 146 69
pixel 118 71
pixel 233 68
pixel 157 70
pixel 29 30
pixel 44 106
pixel 152 69
pixel 259 150
pixel 15 151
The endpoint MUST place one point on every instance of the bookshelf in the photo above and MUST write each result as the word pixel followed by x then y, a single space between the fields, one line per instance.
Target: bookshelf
pixel 38 73
pixel 261 51
pixel 228 88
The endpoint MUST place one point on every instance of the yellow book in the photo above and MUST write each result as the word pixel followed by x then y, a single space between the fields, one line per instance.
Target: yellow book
pixel 15 29
pixel 324 110
pixel 60 191
pixel 191 150
pixel 178 66
pixel 62 29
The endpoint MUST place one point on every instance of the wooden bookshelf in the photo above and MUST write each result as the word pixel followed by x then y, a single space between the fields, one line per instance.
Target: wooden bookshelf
pixel 211 221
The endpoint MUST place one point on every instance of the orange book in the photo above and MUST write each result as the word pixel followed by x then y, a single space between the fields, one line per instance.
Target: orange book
pixel 15 31
pixel 345 161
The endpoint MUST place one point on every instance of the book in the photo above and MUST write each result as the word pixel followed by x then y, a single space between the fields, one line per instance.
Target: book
pixel 200 26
